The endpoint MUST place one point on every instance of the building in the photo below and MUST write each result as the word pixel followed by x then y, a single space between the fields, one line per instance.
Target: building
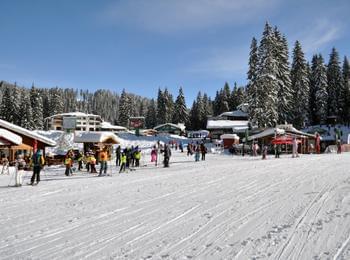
pixel 21 139
pixel 73 121
pixel 170 128
pixel 231 122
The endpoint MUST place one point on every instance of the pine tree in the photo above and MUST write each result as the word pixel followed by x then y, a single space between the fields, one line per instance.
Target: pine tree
pixel 169 106
pixel 37 108
pixel 312 92
pixel 346 87
pixel 283 78
pixel 252 88
pixel 194 120
pixel 56 101
pixel 161 108
pixel 124 109
pixel 151 116
pixel 300 87
pixel 26 112
pixel 335 84
pixel 180 113
pixel 207 110
pixel 319 86
pixel 11 102
pixel 266 113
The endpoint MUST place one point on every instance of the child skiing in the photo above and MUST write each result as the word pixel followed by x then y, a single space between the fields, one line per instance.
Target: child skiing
pixel 123 162
pixel 154 155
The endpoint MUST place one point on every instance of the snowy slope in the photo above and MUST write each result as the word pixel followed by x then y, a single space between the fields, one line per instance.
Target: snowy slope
pixel 223 208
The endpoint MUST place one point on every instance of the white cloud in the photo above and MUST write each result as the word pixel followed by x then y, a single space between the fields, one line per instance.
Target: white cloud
pixel 319 34
pixel 167 16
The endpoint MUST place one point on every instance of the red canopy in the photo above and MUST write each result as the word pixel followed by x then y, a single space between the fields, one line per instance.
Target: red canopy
pixel 284 140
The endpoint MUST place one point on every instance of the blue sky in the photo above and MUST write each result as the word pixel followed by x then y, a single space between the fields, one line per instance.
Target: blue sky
pixel 141 45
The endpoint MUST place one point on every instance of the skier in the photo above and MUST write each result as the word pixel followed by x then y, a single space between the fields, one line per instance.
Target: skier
pixel 123 162
pixel 197 153
pixel 68 162
pixel 88 161
pixel 137 156
pixel 181 146
pixel 118 153
pixel 278 151
pixel 189 149
pixel 93 163
pixel 80 161
pixel 103 161
pixel 167 154
pixel 38 163
pixel 154 155
pixel 295 147
pixel 264 152
pixel 21 163
pixel 338 146
pixel 203 151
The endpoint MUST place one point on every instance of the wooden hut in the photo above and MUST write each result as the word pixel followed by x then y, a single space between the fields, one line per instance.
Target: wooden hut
pixel 31 141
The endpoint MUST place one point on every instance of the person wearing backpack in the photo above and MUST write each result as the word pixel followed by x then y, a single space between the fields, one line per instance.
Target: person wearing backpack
pixel 38 163
pixel 103 161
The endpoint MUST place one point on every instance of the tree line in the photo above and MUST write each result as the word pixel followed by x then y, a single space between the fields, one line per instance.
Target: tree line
pixel 301 94
pixel 277 93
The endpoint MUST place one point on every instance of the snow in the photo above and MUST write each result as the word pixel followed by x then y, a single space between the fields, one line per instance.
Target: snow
pixel 218 124
pixel 20 130
pixel 76 114
pixel 223 208
pixel 229 136
pixel 107 125
pixel 236 113
pixel 180 126
pixel 7 135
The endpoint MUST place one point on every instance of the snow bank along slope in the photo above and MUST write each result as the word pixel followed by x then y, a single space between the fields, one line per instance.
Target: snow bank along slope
pixel 223 208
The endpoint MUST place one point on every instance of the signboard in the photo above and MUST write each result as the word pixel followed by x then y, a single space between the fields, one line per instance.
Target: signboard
pixel 136 122
pixel 69 123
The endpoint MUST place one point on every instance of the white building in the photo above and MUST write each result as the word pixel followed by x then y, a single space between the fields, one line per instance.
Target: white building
pixel 74 121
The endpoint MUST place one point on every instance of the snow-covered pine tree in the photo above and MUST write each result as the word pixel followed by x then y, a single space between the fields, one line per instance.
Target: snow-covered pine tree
pixel 319 82
pixel 26 111
pixel 252 92
pixel 151 116
pixel 11 103
pixel 37 108
pixel 56 101
pixel 346 81
pixel 233 103
pixel 207 109
pixel 216 104
pixel 180 113
pixel 266 113
pixel 161 108
pixel 283 77
pixel 300 87
pixel 312 92
pixel 193 122
pixel 124 109
pixel 169 106
pixel 335 82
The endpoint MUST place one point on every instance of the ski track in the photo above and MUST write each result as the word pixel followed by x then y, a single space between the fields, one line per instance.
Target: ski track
pixel 223 208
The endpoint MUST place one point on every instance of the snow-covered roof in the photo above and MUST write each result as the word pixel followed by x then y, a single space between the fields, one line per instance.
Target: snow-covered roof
pixel 236 113
pixel 108 125
pixel 20 130
pixel 226 124
pixel 267 132
pixel 9 136
pixel 229 136
pixel 96 137
pixel 182 127
pixel 76 114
